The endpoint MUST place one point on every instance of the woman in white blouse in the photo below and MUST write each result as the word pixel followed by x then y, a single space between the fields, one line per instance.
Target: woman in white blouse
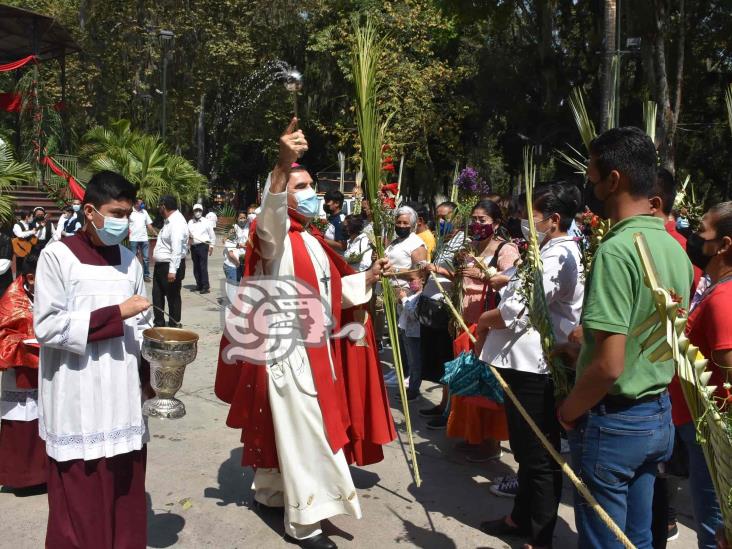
pixel 405 253
pixel 509 342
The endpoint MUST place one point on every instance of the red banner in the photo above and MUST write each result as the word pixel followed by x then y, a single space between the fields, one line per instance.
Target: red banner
pixel 77 191
pixel 17 64
pixel 10 102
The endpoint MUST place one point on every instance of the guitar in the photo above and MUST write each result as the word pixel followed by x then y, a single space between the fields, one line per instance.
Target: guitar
pixel 23 246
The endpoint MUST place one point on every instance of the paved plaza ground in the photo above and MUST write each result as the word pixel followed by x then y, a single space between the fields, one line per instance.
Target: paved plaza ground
pixel 200 496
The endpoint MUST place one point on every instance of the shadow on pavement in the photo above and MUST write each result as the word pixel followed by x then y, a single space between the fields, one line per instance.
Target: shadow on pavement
pixel 162 528
pixel 235 482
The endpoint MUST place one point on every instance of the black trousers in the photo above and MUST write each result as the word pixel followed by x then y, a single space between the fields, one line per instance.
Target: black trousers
pixel 199 255
pixel 539 476
pixel 170 291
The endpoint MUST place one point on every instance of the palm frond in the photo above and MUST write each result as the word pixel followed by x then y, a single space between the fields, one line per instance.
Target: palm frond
pixel 650 109
pixel 582 118
pixel 576 160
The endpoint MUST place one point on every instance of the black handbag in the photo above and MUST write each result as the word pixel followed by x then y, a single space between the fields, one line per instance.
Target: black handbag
pixel 432 313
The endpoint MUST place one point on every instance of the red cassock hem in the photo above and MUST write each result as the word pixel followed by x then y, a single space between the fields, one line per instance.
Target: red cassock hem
pixel 23 458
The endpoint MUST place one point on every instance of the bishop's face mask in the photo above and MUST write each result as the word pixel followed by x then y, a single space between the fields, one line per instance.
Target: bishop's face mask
pixel 307 203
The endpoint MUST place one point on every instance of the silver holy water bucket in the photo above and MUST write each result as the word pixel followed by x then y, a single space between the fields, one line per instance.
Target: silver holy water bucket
pixel 169 351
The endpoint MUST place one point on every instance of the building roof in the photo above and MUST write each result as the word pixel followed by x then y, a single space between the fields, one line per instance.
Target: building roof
pixel 24 33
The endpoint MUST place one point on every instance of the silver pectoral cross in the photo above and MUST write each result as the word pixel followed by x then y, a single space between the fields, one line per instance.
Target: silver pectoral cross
pixel 325 281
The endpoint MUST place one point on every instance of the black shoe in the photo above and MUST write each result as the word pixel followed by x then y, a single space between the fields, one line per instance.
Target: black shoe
pixel 206 291
pixel 321 541
pixel 147 279
pixel 435 411
pixel 437 424
pixel 499 528
pixel 411 397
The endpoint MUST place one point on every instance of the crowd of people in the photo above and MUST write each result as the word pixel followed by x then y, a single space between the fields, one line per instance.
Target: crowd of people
pixel 73 317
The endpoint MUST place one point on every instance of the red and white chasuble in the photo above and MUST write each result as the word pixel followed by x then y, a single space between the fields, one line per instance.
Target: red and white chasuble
pixel 308 415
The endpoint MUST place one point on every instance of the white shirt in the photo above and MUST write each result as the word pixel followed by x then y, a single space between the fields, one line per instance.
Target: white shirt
pixel 518 346
pixel 139 220
pixel 21 230
pixel 89 397
pixel 172 244
pixel 201 232
pixel 358 252
pixel 400 252
pixel 240 236
pixel 212 218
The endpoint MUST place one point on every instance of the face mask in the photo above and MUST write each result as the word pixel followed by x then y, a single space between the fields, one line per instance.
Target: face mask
pixel 595 204
pixel 402 232
pixel 540 235
pixel 242 223
pixel 695 251
pixel 76 207
pixel 113 231
pixel 307 203
pixel 198 214
pixel 445 227
pixel 479 231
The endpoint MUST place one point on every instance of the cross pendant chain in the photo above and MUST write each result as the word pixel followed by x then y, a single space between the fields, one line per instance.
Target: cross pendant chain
pixel 325 281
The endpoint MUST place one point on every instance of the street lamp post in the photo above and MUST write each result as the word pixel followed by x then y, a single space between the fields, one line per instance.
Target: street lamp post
pixel 167 39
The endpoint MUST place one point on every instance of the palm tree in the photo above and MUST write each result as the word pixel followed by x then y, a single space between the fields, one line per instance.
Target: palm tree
pixel 11 173
pixel 143 160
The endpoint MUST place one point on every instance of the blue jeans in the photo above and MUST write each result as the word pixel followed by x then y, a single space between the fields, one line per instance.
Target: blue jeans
pixel 414 356
pixel 616 453
pixel 233 274
pixel 143 248
pixel 704 499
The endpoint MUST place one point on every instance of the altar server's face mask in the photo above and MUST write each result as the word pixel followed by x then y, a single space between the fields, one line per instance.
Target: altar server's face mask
pixel 307 203
pixel 113 231
pixel 540 235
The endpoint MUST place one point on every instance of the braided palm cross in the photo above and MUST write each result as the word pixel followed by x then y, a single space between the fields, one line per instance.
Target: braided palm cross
pixel 669 339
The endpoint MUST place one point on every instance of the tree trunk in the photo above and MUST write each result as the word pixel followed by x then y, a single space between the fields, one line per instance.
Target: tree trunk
pixel 609 47
pixel 668 121
pixel 201 136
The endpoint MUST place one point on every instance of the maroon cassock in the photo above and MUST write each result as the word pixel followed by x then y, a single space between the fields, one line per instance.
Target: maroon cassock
pixel 100 503
pixel 22 452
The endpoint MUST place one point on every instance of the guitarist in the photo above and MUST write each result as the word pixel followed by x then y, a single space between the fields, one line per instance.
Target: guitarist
pixel 26 235
pixel 43 226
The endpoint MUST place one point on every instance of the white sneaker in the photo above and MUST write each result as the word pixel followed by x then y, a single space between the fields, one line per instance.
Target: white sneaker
pixel 406 382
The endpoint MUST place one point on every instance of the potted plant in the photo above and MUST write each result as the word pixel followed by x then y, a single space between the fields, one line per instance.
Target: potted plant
pixel 227 215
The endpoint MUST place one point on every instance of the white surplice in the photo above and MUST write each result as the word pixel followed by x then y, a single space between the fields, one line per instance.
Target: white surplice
pixel 89 397
pixel 312 482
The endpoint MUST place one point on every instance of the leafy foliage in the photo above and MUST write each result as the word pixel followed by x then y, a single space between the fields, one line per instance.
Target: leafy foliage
pixel 145 161
pixel 11 174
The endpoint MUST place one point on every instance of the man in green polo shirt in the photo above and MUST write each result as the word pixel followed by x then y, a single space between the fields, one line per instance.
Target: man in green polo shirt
pixel 619 415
